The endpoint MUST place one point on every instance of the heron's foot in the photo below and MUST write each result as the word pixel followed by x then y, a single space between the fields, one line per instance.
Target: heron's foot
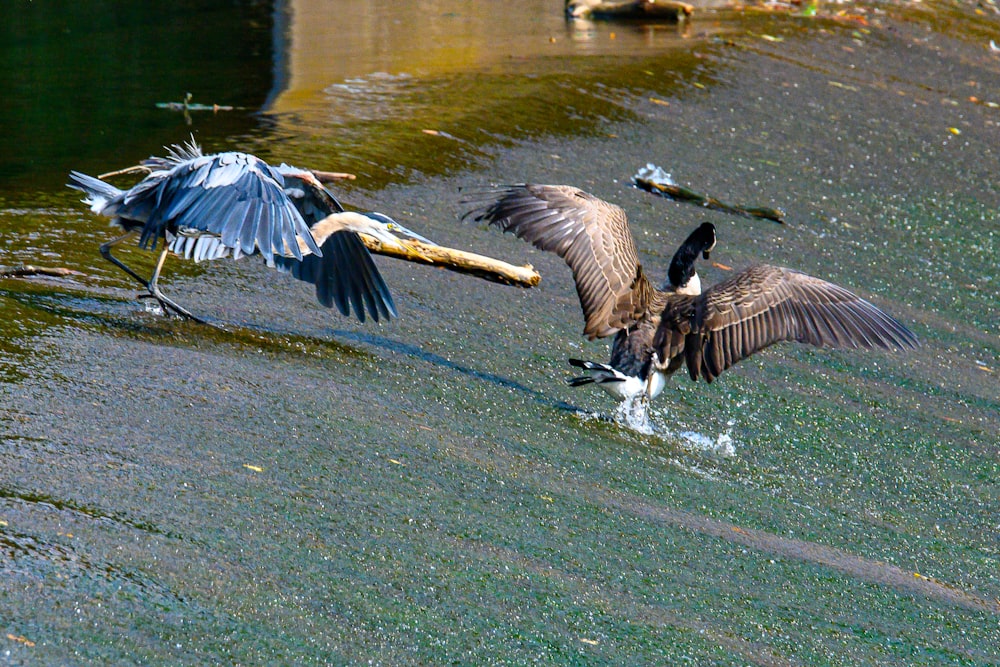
pixel 169 306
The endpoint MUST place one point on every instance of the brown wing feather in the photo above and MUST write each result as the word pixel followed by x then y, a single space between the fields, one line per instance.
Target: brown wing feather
pixel 764 305
pixel 591 235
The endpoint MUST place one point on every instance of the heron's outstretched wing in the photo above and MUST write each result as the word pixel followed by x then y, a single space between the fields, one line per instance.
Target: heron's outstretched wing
pixel 345 276
pixel 593 237
pixel 764 305
pixel 313 201
pixel 235 196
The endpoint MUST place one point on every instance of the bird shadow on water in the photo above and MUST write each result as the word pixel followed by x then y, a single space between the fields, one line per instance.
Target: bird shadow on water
pixel 408 349
pixel 627 419
pixel 122 318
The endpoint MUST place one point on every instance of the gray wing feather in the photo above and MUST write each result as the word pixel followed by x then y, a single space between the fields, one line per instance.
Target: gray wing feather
pixel 235 196
pixel 345 276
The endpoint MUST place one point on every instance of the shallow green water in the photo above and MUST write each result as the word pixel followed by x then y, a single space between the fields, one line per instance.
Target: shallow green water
pixel 305 489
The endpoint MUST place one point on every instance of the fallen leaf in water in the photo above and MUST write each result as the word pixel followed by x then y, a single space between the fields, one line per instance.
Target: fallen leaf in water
pixel 253 467
pixel 18 638
pixel 722 266
pixel 837 84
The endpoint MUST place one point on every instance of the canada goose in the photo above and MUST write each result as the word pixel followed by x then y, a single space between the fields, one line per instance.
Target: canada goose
pixel 234 204
pixel 659 330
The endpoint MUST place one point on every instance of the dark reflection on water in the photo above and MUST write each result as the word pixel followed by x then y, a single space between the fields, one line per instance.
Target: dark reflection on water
pixel 81 80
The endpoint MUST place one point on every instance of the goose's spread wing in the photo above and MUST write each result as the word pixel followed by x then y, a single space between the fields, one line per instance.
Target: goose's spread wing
pixel 234 196
pixel 590 234
pixel 762 306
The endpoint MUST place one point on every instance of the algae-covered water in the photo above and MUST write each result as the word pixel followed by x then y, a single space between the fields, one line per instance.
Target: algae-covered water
pixel 304 489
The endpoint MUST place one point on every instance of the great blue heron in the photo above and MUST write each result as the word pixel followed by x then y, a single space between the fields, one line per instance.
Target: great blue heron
pixel 207 207
pixel 657 331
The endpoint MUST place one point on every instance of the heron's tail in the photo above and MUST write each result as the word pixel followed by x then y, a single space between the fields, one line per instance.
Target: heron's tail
pixel 345 275
pixel 99 194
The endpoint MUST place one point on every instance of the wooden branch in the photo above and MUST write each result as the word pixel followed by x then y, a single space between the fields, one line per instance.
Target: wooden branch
pixel 480 266
pixel 26 270
pixel 137 169
pixel 330 176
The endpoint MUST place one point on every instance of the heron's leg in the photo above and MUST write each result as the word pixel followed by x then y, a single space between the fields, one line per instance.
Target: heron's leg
pixel 154 289
pixel 106 254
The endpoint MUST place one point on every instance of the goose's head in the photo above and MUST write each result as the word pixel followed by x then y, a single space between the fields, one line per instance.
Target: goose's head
pixel 682 277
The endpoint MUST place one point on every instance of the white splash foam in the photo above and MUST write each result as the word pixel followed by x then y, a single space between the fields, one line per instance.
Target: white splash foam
pixel 635 416
pixel 720 445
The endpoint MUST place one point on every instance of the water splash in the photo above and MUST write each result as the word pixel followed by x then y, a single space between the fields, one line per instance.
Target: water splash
pixel 720 445
pixel 635 416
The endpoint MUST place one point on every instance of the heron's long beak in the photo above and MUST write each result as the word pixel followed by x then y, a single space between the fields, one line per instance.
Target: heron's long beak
pixel 397 228
pixel 373 225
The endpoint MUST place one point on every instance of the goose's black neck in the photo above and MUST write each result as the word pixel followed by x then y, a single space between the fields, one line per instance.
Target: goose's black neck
pixel 701 240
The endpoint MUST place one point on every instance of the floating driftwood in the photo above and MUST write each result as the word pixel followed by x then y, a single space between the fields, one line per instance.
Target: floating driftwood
pixel 27 270
pixel 136 169
pixel 330 176
pixel 188 105
pixel 461 261
pixel 669 10
pixel 653 179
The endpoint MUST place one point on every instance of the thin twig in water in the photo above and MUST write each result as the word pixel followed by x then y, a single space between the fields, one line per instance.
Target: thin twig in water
pixel 27 270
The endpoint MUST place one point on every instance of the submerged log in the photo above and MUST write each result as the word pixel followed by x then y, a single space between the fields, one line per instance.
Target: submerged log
pixel 670 10
pixel 460 261
pixel 655 180
pixel 27 270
